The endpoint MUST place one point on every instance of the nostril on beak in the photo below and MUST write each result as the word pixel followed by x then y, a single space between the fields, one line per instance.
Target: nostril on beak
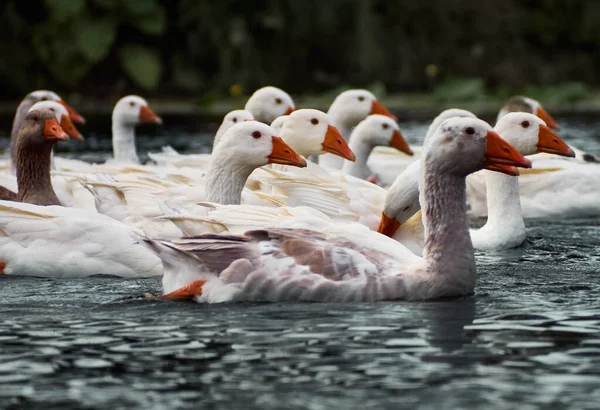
pixel 339 142
pixel 287 151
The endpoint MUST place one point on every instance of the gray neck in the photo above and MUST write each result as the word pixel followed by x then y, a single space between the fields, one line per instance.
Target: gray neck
pixel 33 176
pixel 362 149
pixel 503 201
pixel 225 181
pixel 123 139
pixel 448 252
pixel 20 115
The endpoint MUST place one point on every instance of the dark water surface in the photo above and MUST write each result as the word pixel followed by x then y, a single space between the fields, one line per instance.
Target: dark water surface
pixel 529 338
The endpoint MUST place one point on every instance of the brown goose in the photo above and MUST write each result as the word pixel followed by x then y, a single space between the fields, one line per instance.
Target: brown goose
pixel 36 137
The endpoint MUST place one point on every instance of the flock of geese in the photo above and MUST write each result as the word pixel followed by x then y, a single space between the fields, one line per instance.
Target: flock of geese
pixel 292 204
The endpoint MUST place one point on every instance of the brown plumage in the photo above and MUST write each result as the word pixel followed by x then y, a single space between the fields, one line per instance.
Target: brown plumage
pixel 33 149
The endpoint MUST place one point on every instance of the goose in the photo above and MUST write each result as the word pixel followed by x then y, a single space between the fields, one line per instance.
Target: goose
pixel 42 238
pixel 305 265
pixel 171 157
pixel 268 103
pixel 578 178
pixel 387 164
pixel 128 112
pixel 25 106
pixel 375 130
pixel 347 110
pixel 505 227
pixel 134 199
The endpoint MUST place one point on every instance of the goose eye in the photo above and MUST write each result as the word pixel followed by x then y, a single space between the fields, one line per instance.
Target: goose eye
pixel 44 99
pixel 406 208
pixel 36 118
pixel 314 121
pixel 361 98
pixel 234 119
pixel 256 134
pixel 278 101
pixel 525 124
pixel 52 109
pixel 132 104
pixel 470 131
pixel 385 126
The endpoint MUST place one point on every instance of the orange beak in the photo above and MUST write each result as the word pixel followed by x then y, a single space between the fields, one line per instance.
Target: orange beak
pixel 283 154
pixel 388 226
pixel 335 144
pixel 502 157
pixel 551 143
pixel 400 143
pixel 69 128
pixel 146 115
pixel 378 108
pixel 53 132
pixel 75 117
pixel 289 111
pixel 543 114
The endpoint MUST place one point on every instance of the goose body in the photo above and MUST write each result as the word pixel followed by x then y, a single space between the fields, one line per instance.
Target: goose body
pixel 305 265
pixel 42 238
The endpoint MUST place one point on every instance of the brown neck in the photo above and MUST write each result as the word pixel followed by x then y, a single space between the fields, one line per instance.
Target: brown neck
pixel 33 175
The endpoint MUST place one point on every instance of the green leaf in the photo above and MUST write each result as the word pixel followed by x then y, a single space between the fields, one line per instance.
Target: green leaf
pixel 153 24
pixel 95 38
pixel 59 53
pixel 64 10
pixel 184 75
pixel 142 65
pixel 460 89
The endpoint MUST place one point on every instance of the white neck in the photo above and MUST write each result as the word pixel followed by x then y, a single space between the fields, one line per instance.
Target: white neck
pixel 123 139
pixel 448 254
pixel 225 181
pixel 505 227
pixel 362 149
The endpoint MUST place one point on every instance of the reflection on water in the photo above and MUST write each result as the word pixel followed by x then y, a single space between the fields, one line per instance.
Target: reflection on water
pixel 529 338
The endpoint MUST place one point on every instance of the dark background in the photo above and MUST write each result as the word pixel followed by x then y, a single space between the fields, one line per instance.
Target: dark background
pixel 207 50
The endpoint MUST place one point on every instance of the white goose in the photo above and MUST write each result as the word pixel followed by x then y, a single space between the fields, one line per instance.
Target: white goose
pixel 127 113
pixel 342 195
pixel 268 103
pixel 347 110
pixel 578 179
pixel 387 164
pixel 304 265
pixel 505 227
pixel 41 238
pixel 135 199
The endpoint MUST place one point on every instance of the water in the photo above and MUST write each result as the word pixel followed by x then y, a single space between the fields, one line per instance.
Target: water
pixel 529 338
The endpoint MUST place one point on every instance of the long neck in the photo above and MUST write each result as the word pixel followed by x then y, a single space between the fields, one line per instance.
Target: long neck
pixel 503 201
pixel 362 149
pixel 22 111
pixel 225 181
pixel 448 252
pixel 342 122
pixel 33 176
pixel 123 139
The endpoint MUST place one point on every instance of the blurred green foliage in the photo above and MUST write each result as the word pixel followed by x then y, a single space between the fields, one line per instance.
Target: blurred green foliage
pixel 457 49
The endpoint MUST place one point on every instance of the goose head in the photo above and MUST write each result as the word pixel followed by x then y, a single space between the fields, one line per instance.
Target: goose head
pixel 47 95
pixel 277 123
pixel 530 134
pixel 268 103
pixel 476 144
pixel 230 119
pixel 521 103
pixel 444 115
pixel 353 106
pixel 310 132
pixel 255 144
pixel 40 128
pixel 132 110
pixel 381 130
pixel 62 116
